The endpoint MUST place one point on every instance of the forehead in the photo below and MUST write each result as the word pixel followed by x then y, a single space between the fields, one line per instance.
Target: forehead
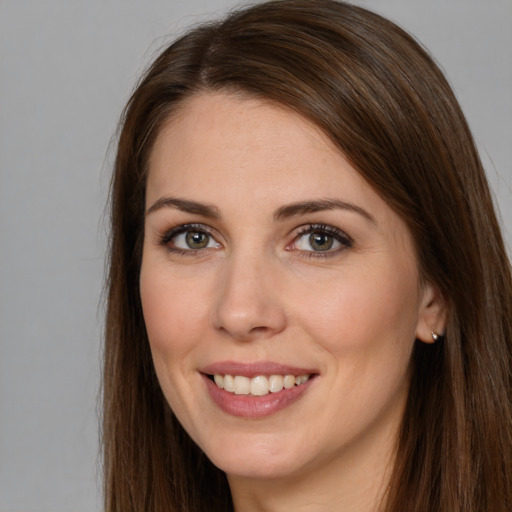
pixel 223 137
pixel 229 123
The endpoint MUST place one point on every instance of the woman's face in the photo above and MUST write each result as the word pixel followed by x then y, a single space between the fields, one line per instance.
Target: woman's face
pixel 271 267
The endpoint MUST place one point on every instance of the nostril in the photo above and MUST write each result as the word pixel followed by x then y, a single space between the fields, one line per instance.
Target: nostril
pixel 260 329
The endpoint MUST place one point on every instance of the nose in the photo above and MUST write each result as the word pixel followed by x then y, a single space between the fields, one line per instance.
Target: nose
pixel 249 304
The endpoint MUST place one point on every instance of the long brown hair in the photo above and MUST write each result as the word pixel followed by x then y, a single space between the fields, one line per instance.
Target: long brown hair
pixel 382 100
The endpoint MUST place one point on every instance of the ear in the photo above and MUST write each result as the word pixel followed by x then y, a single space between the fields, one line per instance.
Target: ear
pixel 432 314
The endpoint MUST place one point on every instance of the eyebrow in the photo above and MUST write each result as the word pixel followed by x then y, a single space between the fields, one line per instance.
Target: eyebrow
pixel 185 205
pixel 304 207
pixel 285 212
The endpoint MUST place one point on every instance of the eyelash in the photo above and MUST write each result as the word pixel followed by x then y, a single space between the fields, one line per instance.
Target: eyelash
pixel 168 236
pixel 342 238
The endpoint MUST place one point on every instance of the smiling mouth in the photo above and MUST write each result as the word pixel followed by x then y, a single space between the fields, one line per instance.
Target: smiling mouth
pixel 260 385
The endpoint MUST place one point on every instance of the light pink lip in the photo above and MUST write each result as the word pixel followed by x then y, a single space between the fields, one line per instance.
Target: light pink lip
pixel 254 407
pixel 254 369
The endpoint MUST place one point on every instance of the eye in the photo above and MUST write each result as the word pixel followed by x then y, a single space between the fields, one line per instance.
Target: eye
pixel 189 238
pixel 317 241
pixel 193 240
pixel 321 239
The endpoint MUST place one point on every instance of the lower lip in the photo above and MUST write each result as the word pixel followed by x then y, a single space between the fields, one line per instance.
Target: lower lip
pixel 249 406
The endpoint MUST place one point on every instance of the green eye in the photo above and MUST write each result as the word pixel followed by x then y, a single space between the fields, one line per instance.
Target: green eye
pixel 317 241
pixel 321 241
pixel 320 238
pixel 189 239
pixel 196 239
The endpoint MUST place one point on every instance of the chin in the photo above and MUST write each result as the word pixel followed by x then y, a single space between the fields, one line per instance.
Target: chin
pixel 257 469
pixel 267 458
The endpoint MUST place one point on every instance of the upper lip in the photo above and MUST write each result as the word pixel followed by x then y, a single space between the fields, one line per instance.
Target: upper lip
pixel 254 369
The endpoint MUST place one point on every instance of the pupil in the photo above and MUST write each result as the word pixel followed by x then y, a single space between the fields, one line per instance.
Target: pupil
pixel 320 241
pixel 196 240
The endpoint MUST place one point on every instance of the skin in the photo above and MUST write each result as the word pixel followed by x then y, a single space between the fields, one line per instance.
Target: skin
pixel 259 291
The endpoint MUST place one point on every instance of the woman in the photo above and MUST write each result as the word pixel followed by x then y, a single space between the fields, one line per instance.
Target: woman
pixel 309 298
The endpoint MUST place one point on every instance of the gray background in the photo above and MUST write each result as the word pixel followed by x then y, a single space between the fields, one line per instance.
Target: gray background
pixel 66 69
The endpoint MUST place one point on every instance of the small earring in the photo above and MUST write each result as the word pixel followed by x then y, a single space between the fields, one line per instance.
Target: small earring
pixel 435 336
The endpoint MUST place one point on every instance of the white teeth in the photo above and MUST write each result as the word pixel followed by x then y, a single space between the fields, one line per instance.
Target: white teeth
pixel 275 383
pixel 229 383
pixel 258 386
pixel 242 385
pixel 301 379
pixel 289 381
pixel 219 380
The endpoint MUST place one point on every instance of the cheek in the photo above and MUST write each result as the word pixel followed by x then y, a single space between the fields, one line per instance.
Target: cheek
pixel 358 310
pixel 171 312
